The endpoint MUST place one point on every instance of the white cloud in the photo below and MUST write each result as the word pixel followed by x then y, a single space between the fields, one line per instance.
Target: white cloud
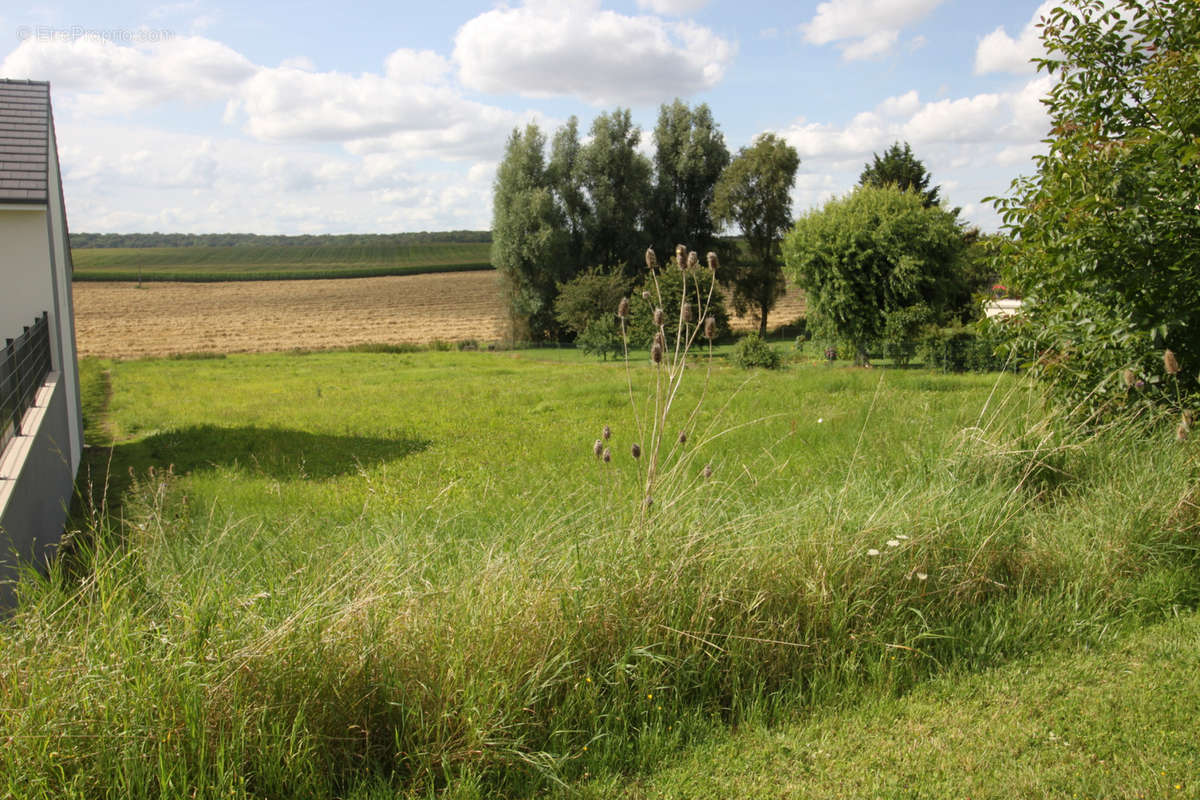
pixel 132 178
pixel 109 78
pixel 999 52
pixel 543 49
pixel 676 8
pixel 876 44
pixel 972 146
pixel 864 28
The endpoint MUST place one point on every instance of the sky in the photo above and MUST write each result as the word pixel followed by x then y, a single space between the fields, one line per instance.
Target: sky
pixel 299 116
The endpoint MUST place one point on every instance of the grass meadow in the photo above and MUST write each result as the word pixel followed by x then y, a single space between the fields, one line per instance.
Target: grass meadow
pixel 379 574
pixel 275 262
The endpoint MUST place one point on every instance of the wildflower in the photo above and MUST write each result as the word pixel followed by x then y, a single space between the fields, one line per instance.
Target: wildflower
pixel 710 328
pixel 1129 376
pixel 712 260
pixel 658 317
pixel 872 552
pixel 606 456
pixel 598 448
pixel 893 542
pixel 607 433
pixel 623 308
pixel 901 535
pixel 1170 364
pixel 820 420
pixel 651 259
pixel 645 294
pixel 921 576
pixel 683 437
pixel 685 312
pixel 636 450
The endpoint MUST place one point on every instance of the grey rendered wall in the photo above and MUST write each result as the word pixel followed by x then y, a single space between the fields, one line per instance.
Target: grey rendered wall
pixel 31 523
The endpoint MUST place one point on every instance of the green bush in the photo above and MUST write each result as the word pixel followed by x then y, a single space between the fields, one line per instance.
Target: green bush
pixel 963 348
pixel 601 337
pixel 751 351
pixel 901 332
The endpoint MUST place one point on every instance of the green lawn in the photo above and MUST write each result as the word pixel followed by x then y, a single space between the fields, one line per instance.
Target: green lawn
pixel 374 575
pixel 275 262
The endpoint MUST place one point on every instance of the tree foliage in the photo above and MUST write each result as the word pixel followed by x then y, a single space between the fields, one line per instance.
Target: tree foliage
pixel 528 240
pixel 868 255
pixel 589 297
pixel 689 156
pixel 1105 239
pixel 899 167
pixel 617 179
pixel 754 193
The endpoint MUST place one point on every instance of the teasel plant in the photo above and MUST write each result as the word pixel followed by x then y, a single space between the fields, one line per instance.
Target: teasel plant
pixel 660 434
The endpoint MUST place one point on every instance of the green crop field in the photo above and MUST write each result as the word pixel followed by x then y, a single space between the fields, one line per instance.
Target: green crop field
pixel 275 262
pixel 406 574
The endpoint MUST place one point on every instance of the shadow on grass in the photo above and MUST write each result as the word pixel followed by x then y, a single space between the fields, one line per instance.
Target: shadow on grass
pixel 277 453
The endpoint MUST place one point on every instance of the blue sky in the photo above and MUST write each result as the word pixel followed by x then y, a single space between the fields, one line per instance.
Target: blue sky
pixel 311 117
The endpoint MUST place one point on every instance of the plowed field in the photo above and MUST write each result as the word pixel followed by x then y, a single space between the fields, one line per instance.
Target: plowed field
pixel 119 320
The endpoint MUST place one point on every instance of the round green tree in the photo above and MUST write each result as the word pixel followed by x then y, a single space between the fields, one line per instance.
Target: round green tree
pixel 870 254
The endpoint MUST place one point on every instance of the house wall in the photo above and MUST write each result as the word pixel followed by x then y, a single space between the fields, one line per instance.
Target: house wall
pixel 36 486
pixel 25 287
pixel 63 311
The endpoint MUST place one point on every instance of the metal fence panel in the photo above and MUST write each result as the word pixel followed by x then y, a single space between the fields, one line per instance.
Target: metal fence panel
pixel 24 364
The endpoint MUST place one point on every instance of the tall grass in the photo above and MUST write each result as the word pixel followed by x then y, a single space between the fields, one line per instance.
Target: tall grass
pixel 212 652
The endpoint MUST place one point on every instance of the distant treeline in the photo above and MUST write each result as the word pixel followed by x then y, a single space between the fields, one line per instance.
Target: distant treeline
pixel 109 240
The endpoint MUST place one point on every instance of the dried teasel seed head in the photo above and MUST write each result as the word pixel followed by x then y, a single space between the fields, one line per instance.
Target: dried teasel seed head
pixel 1170 364
pixel 707 471
pixel 683 437
pixel 712 260
pixel 607 433
pixel 651 259
pixel 623 308
pixel 693 260
pixel 685 312
pixel 656 353
pixel 710 328
pixel 606 456
pixel 598 448
pixel 658 317
pixel 660 340
pixel 680 255
pixel 1129 376
pixel 636 450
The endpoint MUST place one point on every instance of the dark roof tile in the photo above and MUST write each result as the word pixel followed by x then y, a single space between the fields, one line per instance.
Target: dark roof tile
pixel 24 139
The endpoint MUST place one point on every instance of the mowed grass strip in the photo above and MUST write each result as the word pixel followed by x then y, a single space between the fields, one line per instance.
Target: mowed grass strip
pixel 374 575
pixel 1116 721
pixel 275 262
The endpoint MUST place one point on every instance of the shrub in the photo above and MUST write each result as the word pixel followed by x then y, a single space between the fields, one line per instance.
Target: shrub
pixel 901 331
pixel 751 351
pixel 587 298
pixel 964 348
pixel 601 337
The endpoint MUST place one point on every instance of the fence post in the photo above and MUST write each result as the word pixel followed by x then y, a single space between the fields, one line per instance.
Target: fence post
pixel 10 387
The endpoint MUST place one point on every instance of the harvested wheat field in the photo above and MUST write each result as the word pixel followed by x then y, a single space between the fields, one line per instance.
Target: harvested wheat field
pixel 787 310
pixel 119 320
